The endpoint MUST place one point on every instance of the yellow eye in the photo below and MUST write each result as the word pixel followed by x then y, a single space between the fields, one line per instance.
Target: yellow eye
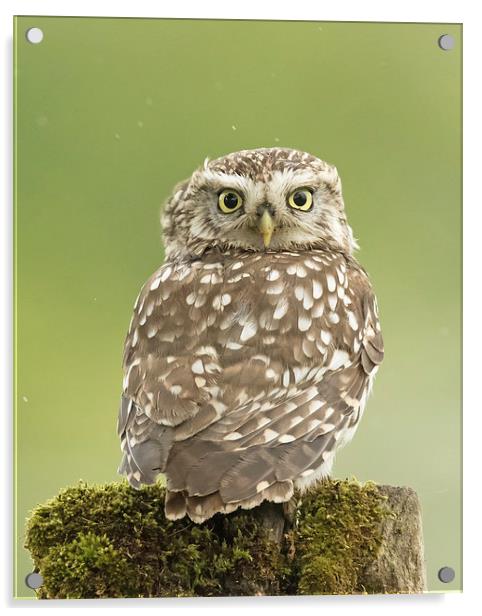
pixel 229 201
pixel 301 199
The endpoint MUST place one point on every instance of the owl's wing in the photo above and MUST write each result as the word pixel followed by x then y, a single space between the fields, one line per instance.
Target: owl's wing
pixel 259 450
pixel 170 371
pixel 144 442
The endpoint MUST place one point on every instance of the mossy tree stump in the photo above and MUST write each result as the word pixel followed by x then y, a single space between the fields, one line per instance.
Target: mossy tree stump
pixel 342 538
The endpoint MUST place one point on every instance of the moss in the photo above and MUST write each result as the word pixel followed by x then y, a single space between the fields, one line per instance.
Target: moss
pixel 87 567
pixel 113 541
pixel 338 533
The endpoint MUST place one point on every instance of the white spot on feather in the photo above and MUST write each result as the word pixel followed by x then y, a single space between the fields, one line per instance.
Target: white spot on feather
pixel 249 330
pixel 315 405
pixel 233 436
pixel 331 282
pixel 200 301
pixel 165 274
pixel 286 438
pixel 155 283
pixel 218 406
pixel 309 263
pixel 328 413
pixel 314 423
pixel 236 278
pixel 269 435
pixel 299 293
pixel 197 367
pixel 296 420
pixel 326 337
pixel 307 301
pixel 317 310
pixel 286 378
pixel 339 359
pixel 207 350
pixel 332 301
pixel 299 373
pixel 317 289
pixel 281 309
pixel 304 322
pixel 352 320
pixel 262 421
pixel 151 331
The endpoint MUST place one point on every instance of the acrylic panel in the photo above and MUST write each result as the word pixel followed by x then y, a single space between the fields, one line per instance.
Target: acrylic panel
pixel 110 115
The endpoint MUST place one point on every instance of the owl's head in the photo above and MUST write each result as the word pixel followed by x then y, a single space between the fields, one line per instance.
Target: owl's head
pixel 268 198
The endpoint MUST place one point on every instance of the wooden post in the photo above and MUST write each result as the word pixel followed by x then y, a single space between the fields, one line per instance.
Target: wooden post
pixel 399 566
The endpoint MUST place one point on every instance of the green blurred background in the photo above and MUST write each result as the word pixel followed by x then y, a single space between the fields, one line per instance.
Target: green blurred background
pixel 111 113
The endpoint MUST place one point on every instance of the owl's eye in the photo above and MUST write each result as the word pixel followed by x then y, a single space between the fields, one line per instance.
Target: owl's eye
pixel 301 199
pixel 229 201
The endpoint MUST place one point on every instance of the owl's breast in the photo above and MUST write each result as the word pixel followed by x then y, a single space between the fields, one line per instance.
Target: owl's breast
pixel 249 322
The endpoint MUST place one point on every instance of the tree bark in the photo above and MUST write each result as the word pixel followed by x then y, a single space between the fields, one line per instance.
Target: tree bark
pixel 399 566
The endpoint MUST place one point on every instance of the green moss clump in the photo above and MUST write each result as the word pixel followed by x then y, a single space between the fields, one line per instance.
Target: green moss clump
pixel 338 534
pixel 113 541
pixel 88 567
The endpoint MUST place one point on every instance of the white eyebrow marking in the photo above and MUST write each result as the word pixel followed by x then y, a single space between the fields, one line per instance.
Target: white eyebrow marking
pixel 219 179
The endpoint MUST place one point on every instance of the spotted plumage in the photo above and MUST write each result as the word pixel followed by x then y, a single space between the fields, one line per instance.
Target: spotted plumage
pixel 252 349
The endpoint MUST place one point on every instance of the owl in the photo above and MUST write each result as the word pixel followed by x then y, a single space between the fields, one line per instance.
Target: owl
pixel 253 348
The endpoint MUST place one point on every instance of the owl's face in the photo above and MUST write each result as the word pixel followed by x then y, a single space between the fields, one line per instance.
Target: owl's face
pixel 269 198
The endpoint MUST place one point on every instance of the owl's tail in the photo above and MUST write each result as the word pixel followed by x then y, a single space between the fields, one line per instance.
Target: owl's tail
pixel 201 508
pixel 203 478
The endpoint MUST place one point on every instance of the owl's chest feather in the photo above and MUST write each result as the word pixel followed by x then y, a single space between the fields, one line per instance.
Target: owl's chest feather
pixel 290 308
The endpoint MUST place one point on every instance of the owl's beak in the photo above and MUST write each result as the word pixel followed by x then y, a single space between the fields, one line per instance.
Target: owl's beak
pixel 266 227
